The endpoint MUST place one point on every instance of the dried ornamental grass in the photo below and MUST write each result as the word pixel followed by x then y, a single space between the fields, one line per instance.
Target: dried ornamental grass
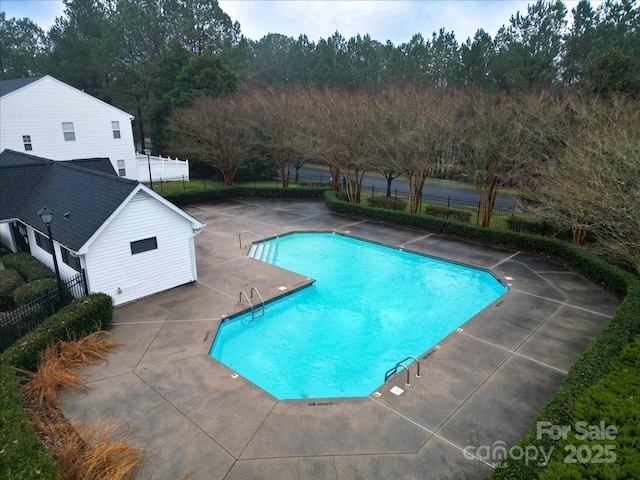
pixel 105 454
pixel 92 452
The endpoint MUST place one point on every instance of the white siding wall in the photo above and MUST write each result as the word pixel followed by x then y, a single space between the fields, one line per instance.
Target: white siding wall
pixel 39 109
pixel 110 265
pixel 5 236
pixel 45 257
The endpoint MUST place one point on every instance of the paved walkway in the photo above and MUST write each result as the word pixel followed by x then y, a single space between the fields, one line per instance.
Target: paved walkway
pixel 483 384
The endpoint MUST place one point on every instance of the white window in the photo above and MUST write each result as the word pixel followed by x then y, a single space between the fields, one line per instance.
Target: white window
pixel 67 130
pixel 121 170
pixel 115 126
pixel 26 139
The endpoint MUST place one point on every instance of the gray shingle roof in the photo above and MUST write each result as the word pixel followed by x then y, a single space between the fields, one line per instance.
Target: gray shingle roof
pixel 98 164
pixel 80 199
pixel 8 86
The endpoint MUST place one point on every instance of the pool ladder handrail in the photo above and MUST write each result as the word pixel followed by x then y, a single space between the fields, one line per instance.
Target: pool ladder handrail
pixel 254 289
pixel 393 371
pixel 253 309
pixel 248 231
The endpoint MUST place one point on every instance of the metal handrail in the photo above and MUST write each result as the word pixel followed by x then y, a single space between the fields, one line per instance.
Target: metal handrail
pixel 413 358
pixel 392 372
pixel 260 296
pixel 245 296
pixel 408 382
pixel 247 231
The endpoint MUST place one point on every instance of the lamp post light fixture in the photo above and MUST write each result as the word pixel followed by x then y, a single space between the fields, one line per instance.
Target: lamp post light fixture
pixel 47 217
pixel 148 152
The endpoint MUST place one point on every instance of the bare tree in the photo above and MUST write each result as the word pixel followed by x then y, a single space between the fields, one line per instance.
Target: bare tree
pixel 216 131
pixel 593 184
pixel 278 119
pixel 417 135
pixel 343 133
pixel 491 145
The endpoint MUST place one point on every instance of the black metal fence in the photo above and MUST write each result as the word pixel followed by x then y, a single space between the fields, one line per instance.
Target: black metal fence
pixel 503 210
pixel 22 320
pixel 456 204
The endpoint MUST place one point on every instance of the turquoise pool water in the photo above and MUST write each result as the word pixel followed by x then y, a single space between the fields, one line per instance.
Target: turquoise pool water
pixel 370 307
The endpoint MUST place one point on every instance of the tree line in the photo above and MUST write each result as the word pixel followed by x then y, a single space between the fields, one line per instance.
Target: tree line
pixel 149 57
pixel 573 158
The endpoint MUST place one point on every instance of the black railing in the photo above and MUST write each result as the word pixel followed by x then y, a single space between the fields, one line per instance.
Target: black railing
pixel 15 324
pixel 499 218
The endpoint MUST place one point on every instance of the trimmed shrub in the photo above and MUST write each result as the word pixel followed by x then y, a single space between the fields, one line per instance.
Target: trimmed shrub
pixel 214 194
pixel 452 213
pixel 23 454
pixel 518 223
pixel 307 183
pixel 9 281
pixel 33 290
pixel 614 400
pixel 82 316
pixel 29 267
pixel 391 203
pixel 11 260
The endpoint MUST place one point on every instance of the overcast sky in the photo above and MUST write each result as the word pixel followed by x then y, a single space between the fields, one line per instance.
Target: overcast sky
pixel 395 20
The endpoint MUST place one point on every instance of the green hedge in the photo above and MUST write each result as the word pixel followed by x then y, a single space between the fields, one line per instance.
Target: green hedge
pixel 392 203
pixel 452 213
pixel 9 281
pixel 307 183
pixel 594 364
pixel 519 223
pixel 22 454
pixel 81 317
pixel 31 291
pixel 522 224
pixel 29 267
pixel 615 399
pixel 213 194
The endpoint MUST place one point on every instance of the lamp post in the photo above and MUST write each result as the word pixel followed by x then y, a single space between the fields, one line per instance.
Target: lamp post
pixel 148 152
pixel 47 217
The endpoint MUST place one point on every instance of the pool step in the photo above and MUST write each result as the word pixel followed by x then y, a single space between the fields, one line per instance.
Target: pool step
pixel 271 254
pixel 265 252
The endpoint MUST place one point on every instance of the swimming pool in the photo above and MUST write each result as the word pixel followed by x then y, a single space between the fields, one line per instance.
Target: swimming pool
pixel 370 307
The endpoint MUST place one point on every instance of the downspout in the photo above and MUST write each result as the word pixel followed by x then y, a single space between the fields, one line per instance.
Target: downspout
pixel 192 246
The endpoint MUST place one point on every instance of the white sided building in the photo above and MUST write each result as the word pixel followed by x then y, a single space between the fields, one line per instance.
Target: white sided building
pixel 129 241
pixel 45 117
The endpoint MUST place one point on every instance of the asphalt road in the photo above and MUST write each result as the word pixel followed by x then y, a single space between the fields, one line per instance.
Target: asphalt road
pixel 462 194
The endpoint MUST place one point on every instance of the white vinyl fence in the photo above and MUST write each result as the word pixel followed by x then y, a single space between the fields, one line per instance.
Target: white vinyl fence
pixel 162 169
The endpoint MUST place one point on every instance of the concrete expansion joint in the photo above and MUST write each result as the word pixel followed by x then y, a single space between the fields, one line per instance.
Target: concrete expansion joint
pixel 505 260
pixel 514 352
pixel 433 434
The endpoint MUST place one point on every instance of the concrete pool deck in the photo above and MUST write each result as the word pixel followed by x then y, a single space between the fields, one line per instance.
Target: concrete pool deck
pixel 483 384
